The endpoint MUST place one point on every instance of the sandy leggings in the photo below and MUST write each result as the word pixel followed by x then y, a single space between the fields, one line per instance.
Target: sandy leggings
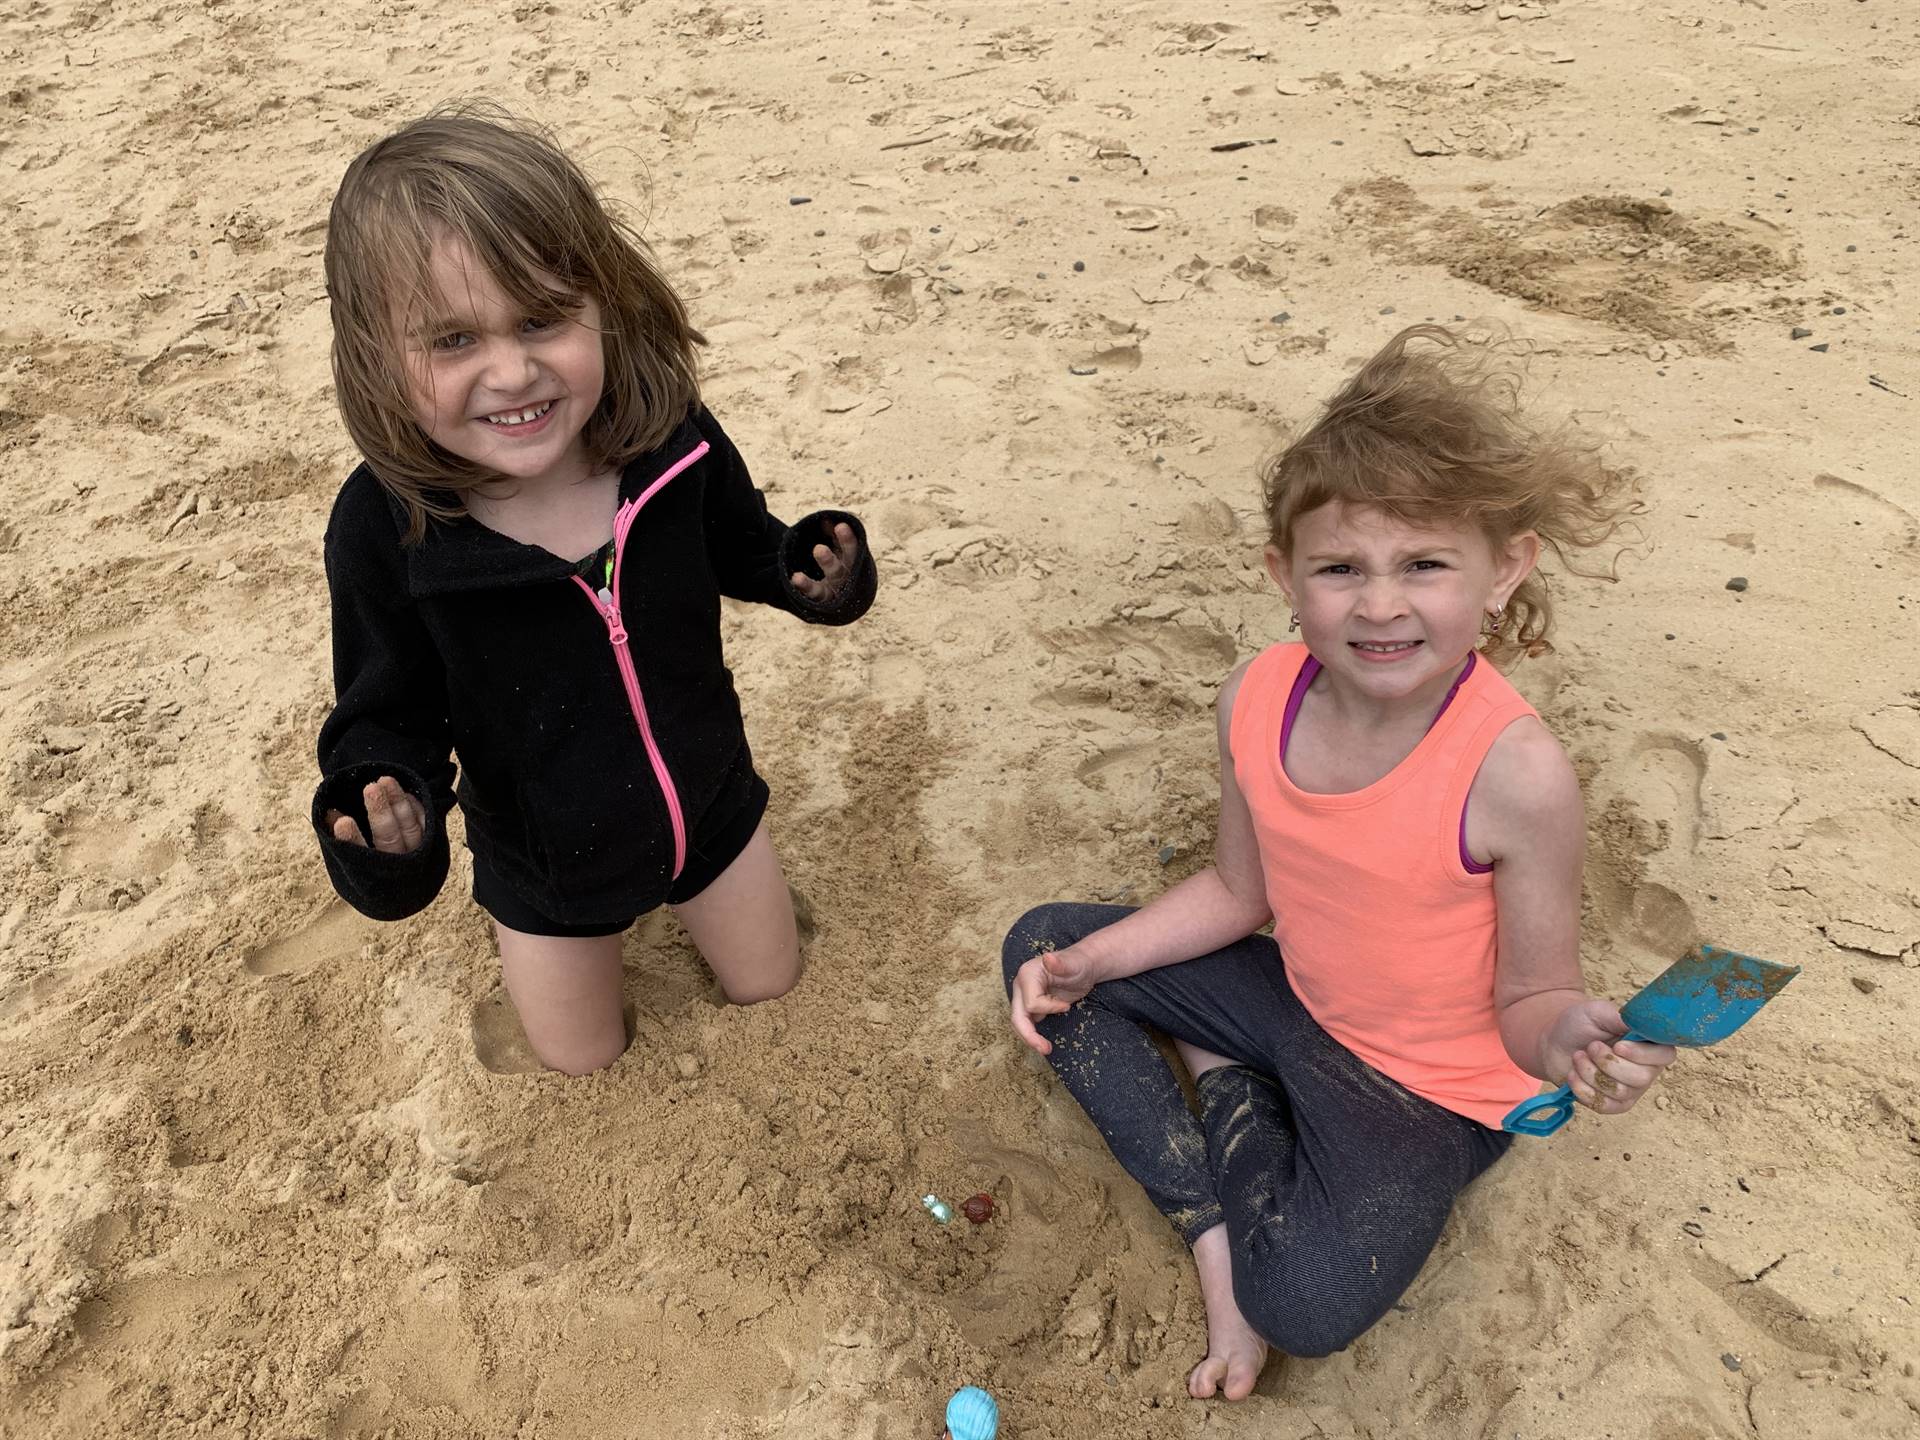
pixel 1333 1181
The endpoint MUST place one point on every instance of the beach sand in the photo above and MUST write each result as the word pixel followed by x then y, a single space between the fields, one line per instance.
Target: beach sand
pixel 270 1170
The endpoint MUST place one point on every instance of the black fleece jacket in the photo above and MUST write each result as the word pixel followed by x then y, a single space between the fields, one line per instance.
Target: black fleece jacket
pixel 474 643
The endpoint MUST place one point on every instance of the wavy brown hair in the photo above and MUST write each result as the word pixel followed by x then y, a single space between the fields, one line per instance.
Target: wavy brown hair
pixel 476 173
pixel 1430 431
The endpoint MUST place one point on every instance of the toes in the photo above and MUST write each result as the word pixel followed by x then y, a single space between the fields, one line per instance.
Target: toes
pixel 1243 1373
pixel 1204 1381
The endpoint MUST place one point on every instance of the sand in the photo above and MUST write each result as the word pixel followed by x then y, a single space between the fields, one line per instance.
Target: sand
pixel 270 1170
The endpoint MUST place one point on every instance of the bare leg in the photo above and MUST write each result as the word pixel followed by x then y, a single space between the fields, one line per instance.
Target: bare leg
pixel 1235 1351
pixel 1199 1061
pixel 567 991
pixel 743 924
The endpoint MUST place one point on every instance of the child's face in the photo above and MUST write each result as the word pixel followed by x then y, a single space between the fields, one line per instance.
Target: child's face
pixel 1391 607
pixel 495 385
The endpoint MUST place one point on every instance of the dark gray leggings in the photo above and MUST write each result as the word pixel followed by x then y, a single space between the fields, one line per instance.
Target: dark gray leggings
pixel 1333 1181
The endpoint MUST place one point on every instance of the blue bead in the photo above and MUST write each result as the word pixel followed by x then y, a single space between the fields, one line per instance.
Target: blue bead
pixel 972 1414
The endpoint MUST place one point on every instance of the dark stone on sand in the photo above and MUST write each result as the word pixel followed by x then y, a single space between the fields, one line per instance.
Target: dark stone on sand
pixel 1852 248
pixel 1738 582
pixel 1283 317
pixel 1800 332
pixel 1083 369
pixel 1839 310
pixel 1863 985
pixel 799 200
pixel 1719 734
pixel 1167 852
pixel 1672 636
pixel 1819 349
pixel 1667 191
pixel 1732 1362
pixel 1079 266
pixel 1386 309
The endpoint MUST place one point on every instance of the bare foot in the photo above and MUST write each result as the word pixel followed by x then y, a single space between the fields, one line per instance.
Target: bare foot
pixel 1235 1351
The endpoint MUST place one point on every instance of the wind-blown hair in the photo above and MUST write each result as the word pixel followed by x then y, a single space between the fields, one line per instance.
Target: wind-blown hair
pixel 502 187
pixel 1429 431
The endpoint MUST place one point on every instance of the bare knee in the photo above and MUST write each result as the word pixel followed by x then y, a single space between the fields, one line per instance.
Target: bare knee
pixel 582 1059
pixel 766 982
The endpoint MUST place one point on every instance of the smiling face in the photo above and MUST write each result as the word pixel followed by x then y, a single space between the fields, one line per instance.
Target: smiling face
pixel 1390 608
pixel 497 382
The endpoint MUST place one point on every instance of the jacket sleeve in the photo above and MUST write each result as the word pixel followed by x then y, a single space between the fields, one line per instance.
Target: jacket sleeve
pixel 754 555
pixel 389 717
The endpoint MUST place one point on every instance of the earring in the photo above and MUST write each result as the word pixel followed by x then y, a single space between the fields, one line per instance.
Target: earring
pixel 1293 620
pixel 1492 625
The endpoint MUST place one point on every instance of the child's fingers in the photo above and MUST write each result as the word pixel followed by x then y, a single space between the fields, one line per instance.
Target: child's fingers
pixel 381 818
pixel 344 829
pixel 1024 1027
pixel 406 810
pixel 845 542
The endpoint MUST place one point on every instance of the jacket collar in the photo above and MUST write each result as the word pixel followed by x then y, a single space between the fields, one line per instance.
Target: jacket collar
pixel 463 554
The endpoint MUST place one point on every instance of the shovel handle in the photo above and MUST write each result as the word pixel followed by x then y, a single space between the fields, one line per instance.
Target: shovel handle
pixel 1544 1114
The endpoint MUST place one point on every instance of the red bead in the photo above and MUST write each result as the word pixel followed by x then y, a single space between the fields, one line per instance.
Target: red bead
pixel 978 1208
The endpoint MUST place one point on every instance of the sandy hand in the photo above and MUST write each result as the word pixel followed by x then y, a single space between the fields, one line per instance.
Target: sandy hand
pixel 1048 984
pixel 1606 1074
pixel 397 821
pixel 836 567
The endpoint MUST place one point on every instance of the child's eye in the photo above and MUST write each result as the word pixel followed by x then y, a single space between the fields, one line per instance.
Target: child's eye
pixel 541 322
pixel 1429 564
pixel 1340 569
pixel 457 340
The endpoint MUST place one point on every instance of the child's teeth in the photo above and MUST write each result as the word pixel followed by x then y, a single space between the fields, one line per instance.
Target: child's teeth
pixel 518 417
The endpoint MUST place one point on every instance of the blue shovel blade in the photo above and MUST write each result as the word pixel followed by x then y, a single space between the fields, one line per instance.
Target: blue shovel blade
pixel 1698 1000
pixel 1702 999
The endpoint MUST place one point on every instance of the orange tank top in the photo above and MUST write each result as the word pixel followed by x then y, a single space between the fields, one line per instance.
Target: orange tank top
pixel 1386 925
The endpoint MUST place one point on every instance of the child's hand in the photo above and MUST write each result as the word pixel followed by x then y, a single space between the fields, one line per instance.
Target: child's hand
pixel 1048 984
pixel 1607 1076
pixel 836 567
pixel 397 821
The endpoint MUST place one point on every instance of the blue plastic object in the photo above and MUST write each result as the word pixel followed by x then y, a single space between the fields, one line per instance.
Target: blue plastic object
pixel 972 1414
pixel 1695 1002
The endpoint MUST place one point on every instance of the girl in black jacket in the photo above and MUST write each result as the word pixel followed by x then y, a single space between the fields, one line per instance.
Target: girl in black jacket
pixel 527 571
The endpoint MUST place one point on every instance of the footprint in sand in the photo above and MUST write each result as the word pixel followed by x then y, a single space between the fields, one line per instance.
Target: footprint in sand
pixel 337 933
pixel 499 1044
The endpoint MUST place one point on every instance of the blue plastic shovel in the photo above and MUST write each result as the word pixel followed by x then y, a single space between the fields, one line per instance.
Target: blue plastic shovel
pixel 1694 1002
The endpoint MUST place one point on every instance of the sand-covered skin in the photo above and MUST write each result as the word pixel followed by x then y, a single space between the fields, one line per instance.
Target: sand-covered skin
pixel 270 1170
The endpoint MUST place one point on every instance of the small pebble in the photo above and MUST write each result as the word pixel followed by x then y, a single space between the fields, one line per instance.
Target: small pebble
pixel 1167 852
pixel 818 233
pixel 937 1208
pixel 1386 309
pixel 799 200
pixel 1661 1102
pixel 1800 332
pixel 978 1208
pixel 686 1065
pixel 1839 310
pixel 1819 349
pixel 1719 734
pixel 1852 248
pixel 1083 369
pixel 1864 985
pixel 1693 1227
pixel 1738 582
pixel 1282 317
pixel 1079 266
pixel 1672 636
pixel 1667 191
pixel 1732 1362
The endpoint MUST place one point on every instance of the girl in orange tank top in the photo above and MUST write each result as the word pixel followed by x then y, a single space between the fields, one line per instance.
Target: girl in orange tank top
pixel 1414 834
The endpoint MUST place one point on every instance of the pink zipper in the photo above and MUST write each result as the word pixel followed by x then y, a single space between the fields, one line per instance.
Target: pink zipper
pixel 607 602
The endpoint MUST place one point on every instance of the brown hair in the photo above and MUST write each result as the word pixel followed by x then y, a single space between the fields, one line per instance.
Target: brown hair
pixel 503 187
pixel 1429 432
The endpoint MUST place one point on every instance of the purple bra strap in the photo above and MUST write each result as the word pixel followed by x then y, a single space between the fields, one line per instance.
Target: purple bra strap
pixel 1299 693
